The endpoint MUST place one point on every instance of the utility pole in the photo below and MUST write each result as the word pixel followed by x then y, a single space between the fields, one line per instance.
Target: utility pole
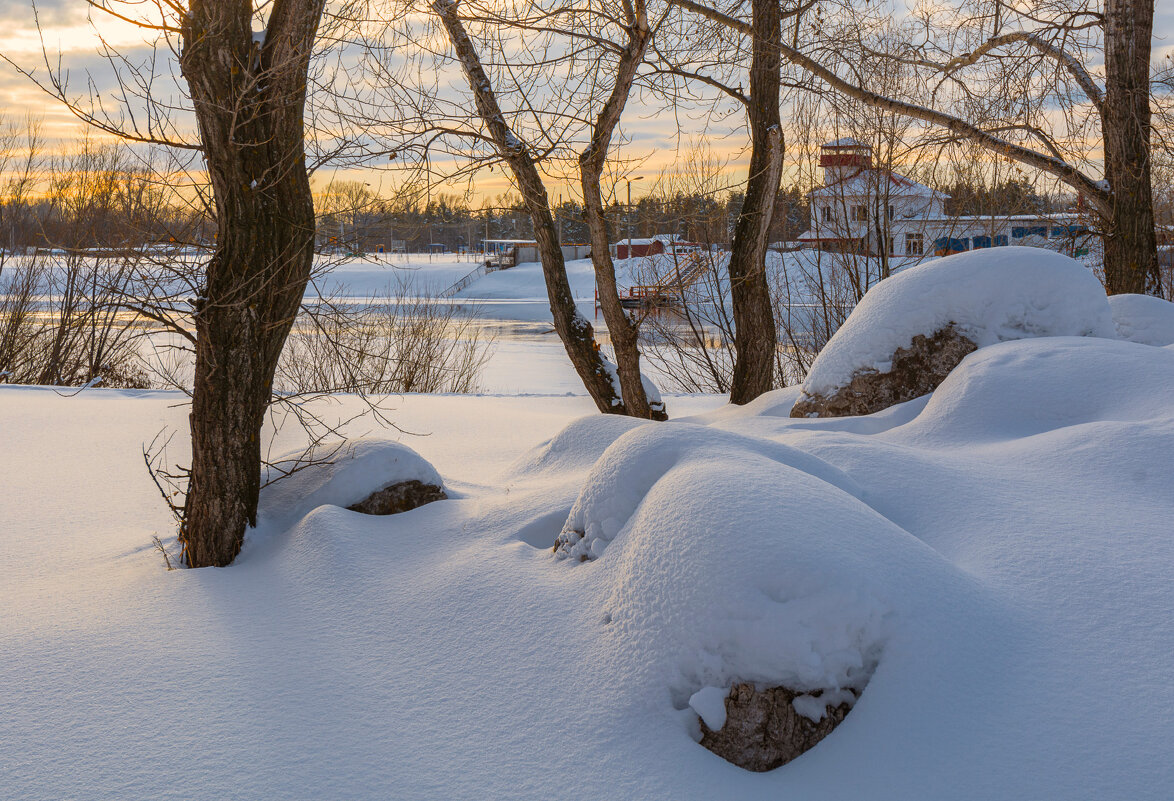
pixel 637 178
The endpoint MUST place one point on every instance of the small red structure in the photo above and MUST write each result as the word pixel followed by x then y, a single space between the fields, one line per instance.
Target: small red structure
pixel 638 248
pixel 845 153
pixel 671 288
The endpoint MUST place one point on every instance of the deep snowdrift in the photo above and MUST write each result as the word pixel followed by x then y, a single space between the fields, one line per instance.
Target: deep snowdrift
pixel 992 561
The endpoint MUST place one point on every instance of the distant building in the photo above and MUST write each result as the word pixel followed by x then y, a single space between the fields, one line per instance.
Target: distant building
pixel 661 243
pixel 638 248
pixel 509 252
pixel 865 209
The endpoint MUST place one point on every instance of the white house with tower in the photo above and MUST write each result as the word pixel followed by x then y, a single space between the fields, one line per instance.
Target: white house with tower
pixel 866 209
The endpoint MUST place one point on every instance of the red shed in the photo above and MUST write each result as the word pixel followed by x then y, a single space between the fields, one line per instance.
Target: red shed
pixel 638 247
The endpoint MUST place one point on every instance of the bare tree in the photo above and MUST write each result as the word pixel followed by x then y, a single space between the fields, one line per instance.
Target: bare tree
pixel 1023 83
pixel 248 97
pixel 247 92
pixel 576 332
pixel 624 331
pixel 755 337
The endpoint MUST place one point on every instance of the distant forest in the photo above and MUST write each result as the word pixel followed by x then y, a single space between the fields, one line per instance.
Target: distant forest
pixel 98 198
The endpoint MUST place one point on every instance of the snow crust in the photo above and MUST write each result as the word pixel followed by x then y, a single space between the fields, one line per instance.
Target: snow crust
pixel 989 564
pixel 815 707
pixel 1143 318
pixel 990 296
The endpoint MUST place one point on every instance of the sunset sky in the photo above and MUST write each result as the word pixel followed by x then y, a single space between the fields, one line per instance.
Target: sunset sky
pixel 652 137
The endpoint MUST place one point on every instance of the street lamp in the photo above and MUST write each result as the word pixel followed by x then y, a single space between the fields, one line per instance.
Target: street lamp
pixel 637 178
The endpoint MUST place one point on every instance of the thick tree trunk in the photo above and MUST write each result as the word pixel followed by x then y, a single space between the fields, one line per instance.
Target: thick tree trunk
pixel 226 418
pixel 248 100
pixel 755 338
pixel 624 333
pixel 1131 246
pixel 574 330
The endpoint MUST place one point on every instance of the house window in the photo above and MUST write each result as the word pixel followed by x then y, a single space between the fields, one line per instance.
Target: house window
pixel 892 242
pixel 860 214
pixel 892 212
pixel 827 214
pixel 914 244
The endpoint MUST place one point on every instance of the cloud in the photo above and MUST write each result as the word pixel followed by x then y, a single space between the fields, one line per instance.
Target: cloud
pixel 18 14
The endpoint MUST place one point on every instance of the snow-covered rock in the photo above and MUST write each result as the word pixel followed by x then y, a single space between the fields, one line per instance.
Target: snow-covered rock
pixel 576 448
pixel 913 371
pixel 986 296
pixel 633 463
pixel 353 470
pixel 1021 389
pixel 1143 318
pixel 766 728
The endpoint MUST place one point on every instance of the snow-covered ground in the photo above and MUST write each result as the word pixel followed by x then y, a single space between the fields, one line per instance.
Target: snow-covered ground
pixel 432 275
pixel 373 275
pixel 1000 550
pixel 991 563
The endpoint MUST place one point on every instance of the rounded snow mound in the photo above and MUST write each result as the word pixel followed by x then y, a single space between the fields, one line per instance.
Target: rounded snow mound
pixel 1020 389
pixel 1143 318
pixel 735 559
pixel 353 471
pixel 988 296
pixel 742 568
pixel 622 477
pixel 576 447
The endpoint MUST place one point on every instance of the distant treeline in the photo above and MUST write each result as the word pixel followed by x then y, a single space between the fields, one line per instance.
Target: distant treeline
pixel 100 197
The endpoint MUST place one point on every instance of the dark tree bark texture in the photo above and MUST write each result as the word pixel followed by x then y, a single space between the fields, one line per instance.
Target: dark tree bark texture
pixel 249 100
pixel 755 338
pixel 1131 245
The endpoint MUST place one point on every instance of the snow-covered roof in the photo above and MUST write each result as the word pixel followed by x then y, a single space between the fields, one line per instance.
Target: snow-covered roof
pixel 846 142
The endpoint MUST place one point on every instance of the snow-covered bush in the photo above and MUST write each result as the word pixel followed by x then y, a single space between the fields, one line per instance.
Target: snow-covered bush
pixel 981 297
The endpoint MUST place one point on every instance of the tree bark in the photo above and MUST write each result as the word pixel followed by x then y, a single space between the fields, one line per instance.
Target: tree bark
pixel 1131 246
pixel 249 100
pixel 574 330
pixel 624 333
pixel 755 338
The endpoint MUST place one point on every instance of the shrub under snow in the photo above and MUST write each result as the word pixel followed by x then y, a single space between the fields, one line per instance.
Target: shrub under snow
pixel 989 296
